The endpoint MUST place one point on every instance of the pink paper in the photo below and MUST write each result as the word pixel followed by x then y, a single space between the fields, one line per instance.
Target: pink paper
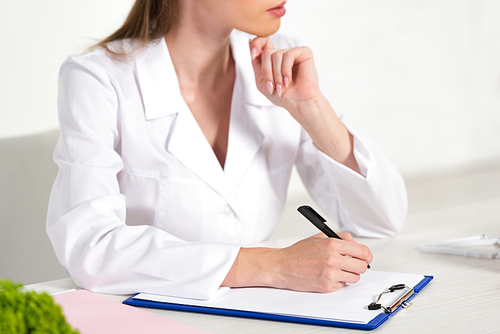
pixel 94 314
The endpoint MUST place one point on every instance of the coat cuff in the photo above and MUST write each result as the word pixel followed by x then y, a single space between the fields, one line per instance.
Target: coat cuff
pixel 208 285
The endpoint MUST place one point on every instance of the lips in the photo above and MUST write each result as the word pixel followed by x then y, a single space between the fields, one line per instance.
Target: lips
pixel 278 11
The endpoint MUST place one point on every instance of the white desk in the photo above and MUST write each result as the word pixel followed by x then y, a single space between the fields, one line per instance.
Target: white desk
pixel 464 296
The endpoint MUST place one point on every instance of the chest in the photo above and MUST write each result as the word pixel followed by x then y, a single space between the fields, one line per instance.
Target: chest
pixel 212 112
pixel 171 174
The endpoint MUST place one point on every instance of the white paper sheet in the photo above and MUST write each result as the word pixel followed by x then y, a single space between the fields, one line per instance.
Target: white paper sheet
pixel 347 304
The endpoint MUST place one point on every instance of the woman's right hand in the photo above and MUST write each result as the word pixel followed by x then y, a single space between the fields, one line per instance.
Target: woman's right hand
pixel 315 264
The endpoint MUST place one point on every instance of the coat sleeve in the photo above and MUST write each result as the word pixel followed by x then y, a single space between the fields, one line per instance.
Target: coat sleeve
pixel 86 215
pixel 373 205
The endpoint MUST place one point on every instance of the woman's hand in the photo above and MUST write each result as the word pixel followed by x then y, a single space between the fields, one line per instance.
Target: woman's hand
pixel 315 264
pixel 322 264
pixel 288 78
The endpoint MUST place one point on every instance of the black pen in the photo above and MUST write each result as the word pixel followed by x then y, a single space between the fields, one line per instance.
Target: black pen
pixel 319 222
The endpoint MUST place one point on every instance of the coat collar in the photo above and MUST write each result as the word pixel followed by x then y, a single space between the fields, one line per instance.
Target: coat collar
pixel 243 59
pixel 159 85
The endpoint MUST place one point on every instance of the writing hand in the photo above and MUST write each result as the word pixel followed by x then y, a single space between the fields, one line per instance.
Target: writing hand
pixel 321 264
pixel 315 264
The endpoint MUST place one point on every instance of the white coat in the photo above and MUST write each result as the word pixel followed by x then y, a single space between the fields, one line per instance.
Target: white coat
pixel 141 202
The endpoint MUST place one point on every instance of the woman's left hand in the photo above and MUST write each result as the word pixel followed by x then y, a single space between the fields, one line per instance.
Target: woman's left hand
pixel 287 77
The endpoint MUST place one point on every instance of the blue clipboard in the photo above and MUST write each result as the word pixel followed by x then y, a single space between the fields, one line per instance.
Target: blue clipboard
pixel 378 319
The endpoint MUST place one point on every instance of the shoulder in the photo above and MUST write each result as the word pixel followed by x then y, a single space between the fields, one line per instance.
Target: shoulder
pixel 100 62
pixel 95 74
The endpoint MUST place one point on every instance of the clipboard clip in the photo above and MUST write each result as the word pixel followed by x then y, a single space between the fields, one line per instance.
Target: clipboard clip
pixel 456 247
pixel 401 301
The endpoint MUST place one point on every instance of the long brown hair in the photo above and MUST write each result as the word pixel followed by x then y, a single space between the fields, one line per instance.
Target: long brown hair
pixel 147 21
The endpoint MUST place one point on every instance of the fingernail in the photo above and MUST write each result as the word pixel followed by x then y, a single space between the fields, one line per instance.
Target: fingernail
pixel 270 87
pixel 287 81
pixel 279 89
pixel 254 53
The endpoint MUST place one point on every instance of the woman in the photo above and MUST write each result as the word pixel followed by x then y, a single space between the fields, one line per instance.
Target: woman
pixel 178 136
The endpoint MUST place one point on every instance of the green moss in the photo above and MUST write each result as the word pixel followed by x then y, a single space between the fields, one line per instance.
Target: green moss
pixel 29 312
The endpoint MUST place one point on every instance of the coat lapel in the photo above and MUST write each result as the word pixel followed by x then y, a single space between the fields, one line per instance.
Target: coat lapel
pixel 189 145
pixel 160 90
pixel 245 135
pixel 161 96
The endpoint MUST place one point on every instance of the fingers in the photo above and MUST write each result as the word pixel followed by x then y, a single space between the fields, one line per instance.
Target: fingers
pixel 352 266
pixel 320 235
pixel 267 70
pixel 323 264
pixel 273 68
pixel 345 269
pixel 346 236
pixel 347 247
pixel 286 68
pixel 276 63
pixel 352 249
pixel 356 255
pixel 336 277
pixel 261 49
pixel 258 44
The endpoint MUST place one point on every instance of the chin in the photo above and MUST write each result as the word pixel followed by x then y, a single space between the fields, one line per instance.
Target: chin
pixel 262 31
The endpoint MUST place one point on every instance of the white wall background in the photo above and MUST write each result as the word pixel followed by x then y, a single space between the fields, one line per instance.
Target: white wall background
pixel 37 37
pixel 419 77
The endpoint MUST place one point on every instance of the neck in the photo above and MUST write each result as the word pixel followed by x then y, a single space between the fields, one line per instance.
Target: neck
pixel 199 50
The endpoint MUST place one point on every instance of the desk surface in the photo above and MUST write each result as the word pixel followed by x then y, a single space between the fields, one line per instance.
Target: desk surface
pixel 464 296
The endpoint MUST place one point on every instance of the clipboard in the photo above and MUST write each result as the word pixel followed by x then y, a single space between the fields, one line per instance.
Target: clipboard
pixel 233 303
